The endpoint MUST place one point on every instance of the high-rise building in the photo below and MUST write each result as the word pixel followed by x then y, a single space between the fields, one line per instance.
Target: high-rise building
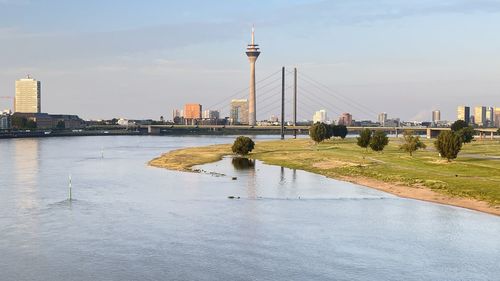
pixel 490 116
pixel 176 113
pixel 252 54
pixel 480 115
pixel 28 96
pixel 239 112
pixel 5 120
pixel 210 114
pixel 320 116
pixel 497 117
pixel 463 113
pixel 345 119
pixel 436 116
pixel 192 112
pixel 382 117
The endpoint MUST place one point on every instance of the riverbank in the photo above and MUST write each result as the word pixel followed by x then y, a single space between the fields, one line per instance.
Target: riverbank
pixel 471 181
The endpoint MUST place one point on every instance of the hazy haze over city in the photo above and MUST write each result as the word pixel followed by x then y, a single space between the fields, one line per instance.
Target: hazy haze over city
pixel 141 59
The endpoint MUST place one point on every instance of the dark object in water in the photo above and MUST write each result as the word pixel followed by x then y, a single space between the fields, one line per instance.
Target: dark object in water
pixel 234 178
pixel 233 197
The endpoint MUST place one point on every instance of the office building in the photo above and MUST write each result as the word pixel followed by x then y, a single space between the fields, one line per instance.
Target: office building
pixel 393 122
pixel 252 54
pixel 176 113
pixel 497 117
pixel 382 117
pixel 320 116
pixel 239 112
pixel 5 121
pixel 490 116
pixel 211 114
pixel 52 121
pixel 480 115
pixel 28 96
pixel 345 119
pixel 192 113
pixel 436 116
pixel 274 119
pixel 463 113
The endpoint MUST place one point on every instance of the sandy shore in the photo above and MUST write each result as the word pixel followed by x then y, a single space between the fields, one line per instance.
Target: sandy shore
pixel 424 194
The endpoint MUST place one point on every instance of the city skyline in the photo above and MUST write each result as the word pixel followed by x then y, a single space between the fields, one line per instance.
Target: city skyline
pixel 122 60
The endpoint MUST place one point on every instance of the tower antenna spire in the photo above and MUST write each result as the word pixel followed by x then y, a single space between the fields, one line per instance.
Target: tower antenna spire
pixel 253 34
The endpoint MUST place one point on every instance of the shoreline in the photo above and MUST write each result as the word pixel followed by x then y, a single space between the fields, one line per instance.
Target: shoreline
pixel 178 160
pixel 424 194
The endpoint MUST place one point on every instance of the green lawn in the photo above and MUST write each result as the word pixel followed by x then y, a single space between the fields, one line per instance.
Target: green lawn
pixel 474 174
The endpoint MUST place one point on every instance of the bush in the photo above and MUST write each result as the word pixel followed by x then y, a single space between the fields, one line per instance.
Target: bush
pixel 379 141
pixel 448 144
pixel 318 132
pixel 243 145
pixel 411 143
pixel 364 138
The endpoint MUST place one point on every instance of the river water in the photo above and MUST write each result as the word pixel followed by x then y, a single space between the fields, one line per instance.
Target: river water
pixel 128 221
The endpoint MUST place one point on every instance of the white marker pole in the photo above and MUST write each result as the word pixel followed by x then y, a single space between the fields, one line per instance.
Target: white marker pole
pixel 70 195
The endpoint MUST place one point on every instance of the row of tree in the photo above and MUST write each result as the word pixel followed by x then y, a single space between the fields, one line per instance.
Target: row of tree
pixel 321 131
pixel 23 123
pixel 375 140
pixel 448 143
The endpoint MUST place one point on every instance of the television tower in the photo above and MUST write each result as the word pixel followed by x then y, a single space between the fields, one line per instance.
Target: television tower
pixel 252 53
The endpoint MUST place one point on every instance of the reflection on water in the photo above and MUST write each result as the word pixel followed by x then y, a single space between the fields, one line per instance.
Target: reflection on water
pixel 133 222
pixel 26 159
pixel 247 165
pixel 242 163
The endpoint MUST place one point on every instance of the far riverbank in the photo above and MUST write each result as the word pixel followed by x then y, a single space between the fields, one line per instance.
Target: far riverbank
pixel 471 181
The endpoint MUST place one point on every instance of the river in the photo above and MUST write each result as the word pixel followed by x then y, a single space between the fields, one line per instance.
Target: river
pixel 128 221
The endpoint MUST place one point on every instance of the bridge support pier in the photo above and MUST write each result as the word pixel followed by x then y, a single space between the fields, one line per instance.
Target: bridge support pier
pixel 154 130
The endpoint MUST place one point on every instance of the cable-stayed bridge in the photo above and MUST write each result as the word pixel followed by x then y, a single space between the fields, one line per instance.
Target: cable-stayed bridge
pixel 294 97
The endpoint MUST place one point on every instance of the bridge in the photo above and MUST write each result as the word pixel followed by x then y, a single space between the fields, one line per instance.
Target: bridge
pixel 291 97
pixel 232 129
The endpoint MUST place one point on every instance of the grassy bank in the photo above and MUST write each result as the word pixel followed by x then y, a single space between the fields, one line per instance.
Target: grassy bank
pixel 475 174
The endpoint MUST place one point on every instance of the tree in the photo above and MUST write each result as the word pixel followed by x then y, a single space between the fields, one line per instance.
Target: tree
pixel 342 131
pixel 459 124
pixel 379 141
pixel 411 143
pixel 243 145
pixel 466 134
pixel 19 122
pixel 498 132
pixel 448 144
pixel 318 132
pixel 364 138
pixel 31 124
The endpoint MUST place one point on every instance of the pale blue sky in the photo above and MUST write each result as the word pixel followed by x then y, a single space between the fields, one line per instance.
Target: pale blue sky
pixel 141 59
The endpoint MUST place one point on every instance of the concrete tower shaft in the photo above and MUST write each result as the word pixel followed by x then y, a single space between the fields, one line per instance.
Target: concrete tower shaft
pixel 253 53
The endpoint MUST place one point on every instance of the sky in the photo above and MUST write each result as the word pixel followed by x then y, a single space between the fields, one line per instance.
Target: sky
pixel 141 59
